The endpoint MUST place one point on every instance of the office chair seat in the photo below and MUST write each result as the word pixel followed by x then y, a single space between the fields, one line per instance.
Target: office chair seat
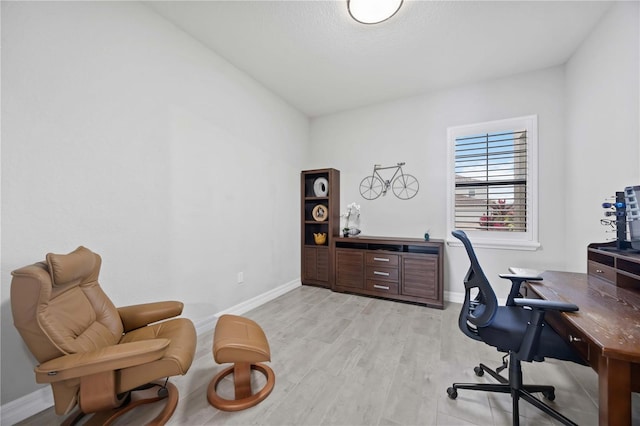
pixel 509 327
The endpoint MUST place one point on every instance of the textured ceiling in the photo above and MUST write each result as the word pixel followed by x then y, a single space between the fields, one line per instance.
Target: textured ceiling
pixel 313 55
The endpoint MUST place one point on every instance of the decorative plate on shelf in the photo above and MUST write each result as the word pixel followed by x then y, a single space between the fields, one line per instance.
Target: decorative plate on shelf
pixel 320 213
pixel 321 187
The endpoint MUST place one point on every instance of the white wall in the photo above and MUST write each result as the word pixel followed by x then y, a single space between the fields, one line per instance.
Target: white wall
pixel 603 140
pixel 122 133
pixel 414 130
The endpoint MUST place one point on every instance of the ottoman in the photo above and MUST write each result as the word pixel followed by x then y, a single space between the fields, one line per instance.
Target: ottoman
pixel 240 341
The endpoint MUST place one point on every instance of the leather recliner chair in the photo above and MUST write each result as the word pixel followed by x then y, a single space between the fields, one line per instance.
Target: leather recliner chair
pixel 93 354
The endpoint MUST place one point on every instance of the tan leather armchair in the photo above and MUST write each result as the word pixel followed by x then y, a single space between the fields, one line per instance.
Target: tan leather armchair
pixel 93 354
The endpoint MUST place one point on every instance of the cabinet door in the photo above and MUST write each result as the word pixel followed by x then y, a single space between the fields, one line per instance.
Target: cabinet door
pixel 420 276
pixel 322 264
pixel 349 268
pixel 310 263
pixel 316 264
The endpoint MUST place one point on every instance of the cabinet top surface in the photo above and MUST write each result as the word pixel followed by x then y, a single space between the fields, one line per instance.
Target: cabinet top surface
pixel 387 240
pixel 609 249
pixel 319 171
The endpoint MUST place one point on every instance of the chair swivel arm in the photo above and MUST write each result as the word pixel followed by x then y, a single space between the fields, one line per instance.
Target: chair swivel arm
pixel 516 283
pixel 136 316
pixel 547 305
pixel 539 307
pixel 109 358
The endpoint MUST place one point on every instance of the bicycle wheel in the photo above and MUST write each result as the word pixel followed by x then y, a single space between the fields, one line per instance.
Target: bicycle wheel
pixel 405 186
pixel 371 187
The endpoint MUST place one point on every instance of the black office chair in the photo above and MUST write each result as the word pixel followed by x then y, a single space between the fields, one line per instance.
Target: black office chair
pixel 518 329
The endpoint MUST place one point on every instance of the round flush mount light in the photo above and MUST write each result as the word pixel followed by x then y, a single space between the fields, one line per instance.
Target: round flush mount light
pixel 373 11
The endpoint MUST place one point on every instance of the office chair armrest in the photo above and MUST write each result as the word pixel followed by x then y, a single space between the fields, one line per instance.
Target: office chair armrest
pixel 547 305
pixel 136 316
pixel 531 337
pixel 521 278
pixel 104 359
pixel 516 283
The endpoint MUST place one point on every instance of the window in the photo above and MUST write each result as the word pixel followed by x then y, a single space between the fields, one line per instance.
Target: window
pixel 493 182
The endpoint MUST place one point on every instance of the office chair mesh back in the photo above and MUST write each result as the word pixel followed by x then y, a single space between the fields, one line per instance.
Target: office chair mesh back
pixel 478 310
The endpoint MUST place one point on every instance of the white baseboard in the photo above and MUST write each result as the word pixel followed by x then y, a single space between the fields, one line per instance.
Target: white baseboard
pixel 28 405
pixel 261 299
pixel 19 409
pixel 450 296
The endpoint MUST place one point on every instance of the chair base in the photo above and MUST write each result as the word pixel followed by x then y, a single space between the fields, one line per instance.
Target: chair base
pixel 514 387
pixel 149 394
pixel 242 382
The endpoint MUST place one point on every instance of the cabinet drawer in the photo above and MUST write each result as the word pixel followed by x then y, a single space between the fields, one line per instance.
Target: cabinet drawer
pixel 380 273
pixel 383 287
pixel 602 271
pixel 571 335
pixel 382 259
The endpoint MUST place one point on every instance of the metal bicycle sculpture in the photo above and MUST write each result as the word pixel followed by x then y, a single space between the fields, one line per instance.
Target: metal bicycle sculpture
pixel 403 185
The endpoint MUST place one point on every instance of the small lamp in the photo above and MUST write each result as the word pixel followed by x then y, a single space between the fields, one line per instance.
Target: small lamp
pixel 373 11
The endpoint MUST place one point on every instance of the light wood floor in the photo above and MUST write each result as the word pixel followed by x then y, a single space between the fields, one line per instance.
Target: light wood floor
pixel 349 360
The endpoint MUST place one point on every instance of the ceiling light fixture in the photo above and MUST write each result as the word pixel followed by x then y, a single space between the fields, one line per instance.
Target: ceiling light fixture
pixel 373 11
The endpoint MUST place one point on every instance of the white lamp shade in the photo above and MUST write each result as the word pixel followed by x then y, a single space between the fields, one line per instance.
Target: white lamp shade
pixel 373 11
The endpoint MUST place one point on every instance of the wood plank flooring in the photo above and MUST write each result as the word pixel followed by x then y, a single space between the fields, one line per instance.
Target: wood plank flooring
pixel 342 359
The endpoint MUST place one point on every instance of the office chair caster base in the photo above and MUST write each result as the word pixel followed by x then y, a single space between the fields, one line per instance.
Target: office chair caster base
pixel 481 369
pixel 549 395
pixel 453 394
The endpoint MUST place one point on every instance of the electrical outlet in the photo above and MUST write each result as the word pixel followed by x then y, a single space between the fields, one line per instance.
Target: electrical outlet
pixel 240 277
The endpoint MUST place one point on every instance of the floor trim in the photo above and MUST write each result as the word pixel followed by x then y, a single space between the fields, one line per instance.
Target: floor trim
pixel 26 406
pixel 208 323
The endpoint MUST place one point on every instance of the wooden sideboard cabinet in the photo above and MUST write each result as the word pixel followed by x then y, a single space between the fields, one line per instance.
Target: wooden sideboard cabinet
pixel 407 269
pixel 620 267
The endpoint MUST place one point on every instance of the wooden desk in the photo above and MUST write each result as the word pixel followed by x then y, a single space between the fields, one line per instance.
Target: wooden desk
pixel 605 331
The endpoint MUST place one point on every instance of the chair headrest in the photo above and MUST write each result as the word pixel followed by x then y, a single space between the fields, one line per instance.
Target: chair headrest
pixel 78 267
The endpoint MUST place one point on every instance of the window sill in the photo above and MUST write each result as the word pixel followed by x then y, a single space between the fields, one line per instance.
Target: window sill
pixel 496 244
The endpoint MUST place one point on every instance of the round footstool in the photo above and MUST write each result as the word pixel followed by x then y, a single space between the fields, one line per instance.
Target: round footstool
pixel 240 341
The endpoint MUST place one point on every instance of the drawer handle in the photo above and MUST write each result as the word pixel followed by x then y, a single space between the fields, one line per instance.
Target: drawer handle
pixel 599 271
pixel 384 274
pixel 381 287
pixel 573 339
pixel 380 259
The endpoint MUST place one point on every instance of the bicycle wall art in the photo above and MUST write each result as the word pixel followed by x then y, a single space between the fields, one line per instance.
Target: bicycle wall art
pixel 403 185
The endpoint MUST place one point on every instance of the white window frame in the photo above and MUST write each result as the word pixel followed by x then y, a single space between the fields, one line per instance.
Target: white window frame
pixel 498 239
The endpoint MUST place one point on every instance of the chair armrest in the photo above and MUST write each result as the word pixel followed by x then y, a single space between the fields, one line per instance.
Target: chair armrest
pixel 547 305
pixel 104 359
pixel 516 283
pixel 531 338
pixel 136 316
pixel 521 277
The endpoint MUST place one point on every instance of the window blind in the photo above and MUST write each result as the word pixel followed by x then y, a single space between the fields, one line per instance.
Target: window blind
pixel 491 182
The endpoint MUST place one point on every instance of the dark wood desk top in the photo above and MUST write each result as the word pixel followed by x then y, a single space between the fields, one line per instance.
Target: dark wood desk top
pixel 609 316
